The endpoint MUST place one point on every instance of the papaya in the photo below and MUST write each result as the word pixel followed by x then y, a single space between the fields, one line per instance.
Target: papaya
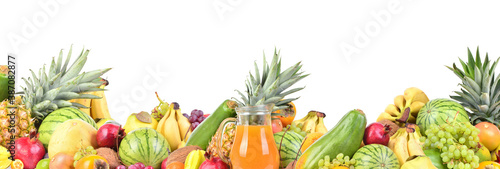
pixel 344 138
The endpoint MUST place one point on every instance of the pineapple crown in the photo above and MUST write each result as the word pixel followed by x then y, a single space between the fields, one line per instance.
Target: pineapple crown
pixel 270 87
pixel 480 88
pixel 49 91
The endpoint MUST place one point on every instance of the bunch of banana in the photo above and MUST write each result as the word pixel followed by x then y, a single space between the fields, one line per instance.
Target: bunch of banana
pixel 418 162
pixel 405 107
pixel 96 108
pixel 312 122
pixel 4 157
pixel 406 143
pixel 174 126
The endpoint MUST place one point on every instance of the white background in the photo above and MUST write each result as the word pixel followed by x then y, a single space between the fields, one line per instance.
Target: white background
pixel 196 54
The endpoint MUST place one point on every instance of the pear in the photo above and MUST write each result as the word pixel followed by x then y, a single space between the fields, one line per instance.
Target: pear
pixel 139 120
pixel 418 162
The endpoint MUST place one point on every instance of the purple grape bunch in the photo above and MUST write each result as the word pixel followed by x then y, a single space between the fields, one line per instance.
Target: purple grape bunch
pixel 196 118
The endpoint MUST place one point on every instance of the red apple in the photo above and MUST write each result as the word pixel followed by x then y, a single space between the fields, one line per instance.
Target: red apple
pixel 277 125
pixel 377 133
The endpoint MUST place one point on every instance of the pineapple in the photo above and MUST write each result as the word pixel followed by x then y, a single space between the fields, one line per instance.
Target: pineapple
pixel 23 123
pixel 271 88
pixel 49 91
pixel 221 143
pixel 480 89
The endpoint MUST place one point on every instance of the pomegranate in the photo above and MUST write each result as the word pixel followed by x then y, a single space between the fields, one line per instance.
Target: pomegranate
pixel 110 135
pixel 277 125
pixel 164 163
pixel 213 163
pixel 377 133
pixel 29 150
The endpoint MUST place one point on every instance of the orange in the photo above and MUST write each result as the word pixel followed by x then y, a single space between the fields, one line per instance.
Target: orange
pixel 288 114
pixel 489 135
pixel 310 139
pixel 175 165
pixel 493 165
pixel 17 164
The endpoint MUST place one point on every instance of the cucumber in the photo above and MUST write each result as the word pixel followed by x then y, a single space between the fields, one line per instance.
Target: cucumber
pixel 202 135
pixel 344 138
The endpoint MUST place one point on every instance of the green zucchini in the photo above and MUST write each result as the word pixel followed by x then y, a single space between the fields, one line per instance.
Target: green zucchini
pixel 202 135
pixel 344 138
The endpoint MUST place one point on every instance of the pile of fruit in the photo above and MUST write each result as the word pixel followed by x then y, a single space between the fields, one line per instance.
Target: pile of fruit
pixel 62 122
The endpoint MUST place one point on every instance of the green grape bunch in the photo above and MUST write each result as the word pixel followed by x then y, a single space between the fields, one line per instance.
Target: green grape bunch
pixel 457 142
pixel 298 129
pixel 340 160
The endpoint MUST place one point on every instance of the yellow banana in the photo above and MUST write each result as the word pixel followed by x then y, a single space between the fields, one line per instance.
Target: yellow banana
pixel 418 162
pixel 304 119
pixel 415 107
pixel 320 126
pixel 399 102
pixel 414 94
pixel 385 115
pixel 171 129
pixel 414 147
pixel 392 140
pixel 310 124
pixel 392 110
pixel 85 102
pixel 99 107
pixel 161 124
pixel 184 125
pixel 401 147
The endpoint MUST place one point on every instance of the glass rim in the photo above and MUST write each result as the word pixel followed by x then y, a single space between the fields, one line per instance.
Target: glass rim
pixel 257 108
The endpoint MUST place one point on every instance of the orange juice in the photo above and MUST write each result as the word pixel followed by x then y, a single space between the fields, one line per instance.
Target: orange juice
pixel 254 148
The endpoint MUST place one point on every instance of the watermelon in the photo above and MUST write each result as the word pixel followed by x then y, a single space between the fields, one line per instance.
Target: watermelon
pixel 144 145
pixel 290 146
pixel 54 119
pixel 375 156
pixel 438 111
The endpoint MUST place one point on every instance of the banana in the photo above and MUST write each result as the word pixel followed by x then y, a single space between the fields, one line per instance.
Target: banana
pixel 85 102
pixel 414 147
pixel 399 102
pixel 161 124
pixel 415 107
pixel 171 128
pixel 184 125
pixel 310 124
pixel 304 119
pixel 414 94
pixel 392 140
pixel 320 126
pixel 392 110
pixel 385 115
pixel 401 146
pixel 418 162
pixel 99 107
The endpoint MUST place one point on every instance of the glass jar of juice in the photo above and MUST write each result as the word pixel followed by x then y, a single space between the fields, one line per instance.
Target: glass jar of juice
pixel 254 145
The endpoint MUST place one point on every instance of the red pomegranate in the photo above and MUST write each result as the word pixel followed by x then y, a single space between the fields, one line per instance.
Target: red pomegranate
pixel 213 163
pixel 110 135
pixel 29 150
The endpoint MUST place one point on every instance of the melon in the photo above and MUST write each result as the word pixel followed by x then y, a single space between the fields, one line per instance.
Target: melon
pixel 72 135
pixel 439 111
pixel 290 146
pixel 54 119
pixel 144 145
pixel 375 156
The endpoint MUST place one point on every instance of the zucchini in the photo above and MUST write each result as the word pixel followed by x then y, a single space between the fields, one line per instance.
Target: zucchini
pixel 344 138
pixel 202 135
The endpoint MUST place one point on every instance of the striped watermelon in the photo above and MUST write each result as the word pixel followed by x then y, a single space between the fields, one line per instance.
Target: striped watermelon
pixel 375 156
pixel 144 145
pixel 54 119
pixel 289 147
pixel 437 111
